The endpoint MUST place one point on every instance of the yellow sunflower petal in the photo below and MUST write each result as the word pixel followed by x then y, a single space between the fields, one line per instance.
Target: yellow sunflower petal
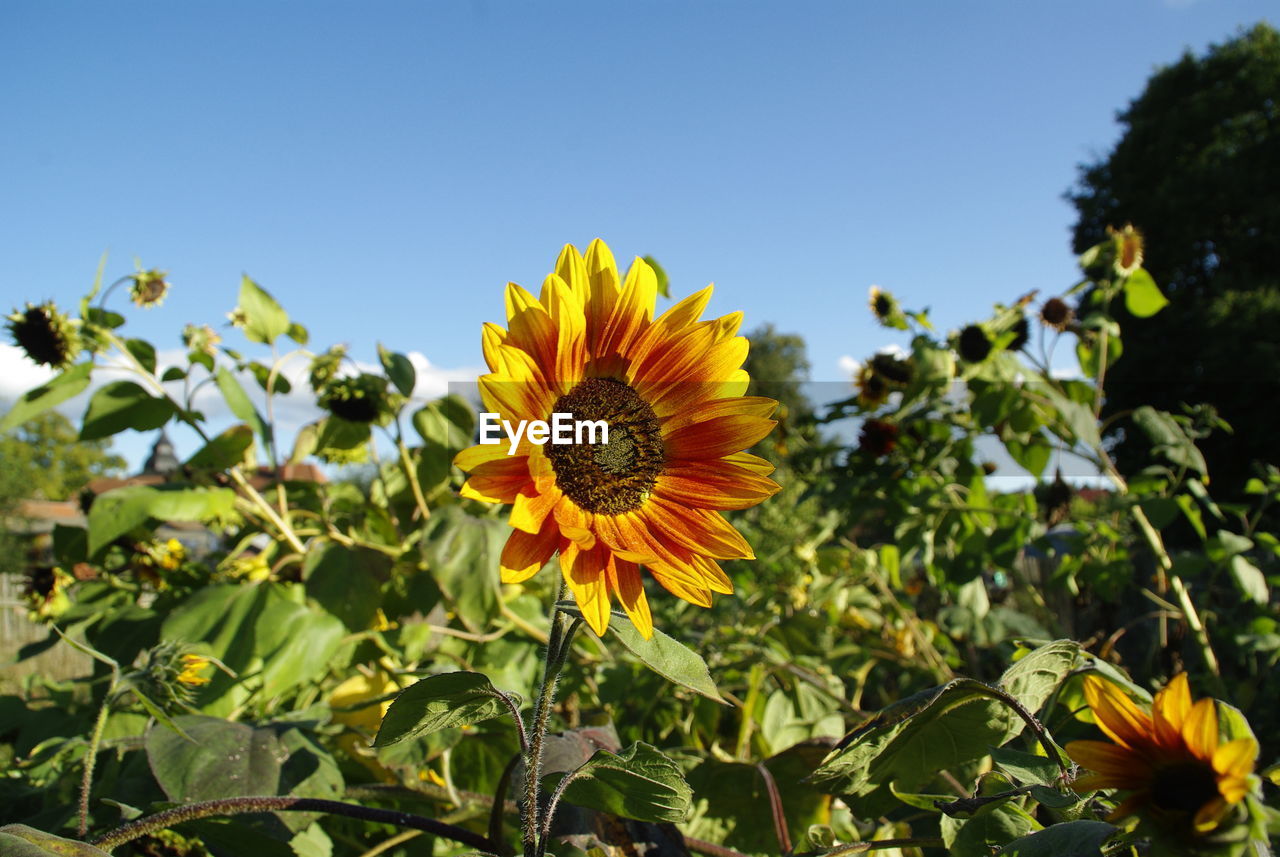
pixel 571 269
pixel 715 485
pixel 1116 714
pixel 1113 766
pixel 633 311
pixel 713 575
pixel 754 463
pixel 1169 711
pixel 1200 730
pixel 1236 758
pixel 756 406
pixel 680 589
pixel 491 337
pixel 530 510
pixel 624 580
pixel 700 530
pixel 524 554
pixel 518 299
pixel 584 573
pixel 474 456
pixel 1210 815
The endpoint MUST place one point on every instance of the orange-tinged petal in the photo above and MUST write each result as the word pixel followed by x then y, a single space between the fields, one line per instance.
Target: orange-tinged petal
pixel 533 332
pixel 756 406
pixel 1236 758
pixel 723 486
pixel 702 531
pixel 624 580
pixel 494 489
pixel 1129 806
pixel 680 589
pixel 1200 730
pixel 633 311
pixel 717 437
pixel 491 337
pixel 584 572
pixel 1119 766
pixel 524 554
pixel 754 463
pixel 575 523
pixel 713 575
pixel 1116 714
pixel 531 510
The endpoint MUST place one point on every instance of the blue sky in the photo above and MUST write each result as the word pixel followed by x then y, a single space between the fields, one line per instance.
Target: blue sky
pixel 384 168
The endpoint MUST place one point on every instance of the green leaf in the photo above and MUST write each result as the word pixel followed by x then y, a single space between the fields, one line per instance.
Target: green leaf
pixel 444 701
pixel 224 451
pixel 1081 838
pixel 639 783
pixel 123 405
pixel 994 825
pixel 462 552
pixel 668 658
pixel 144 352
pixel 223 759
pixel 345 581
pixel 399 370
pixel 1032 456
pixel 1250 580
pixel 239 403
pixel 664 282
pixel 117 512
pixel 446 424
pixel 1142 297
pixel 54 392
pixel 262 374
pixel 1026 768
pixel 264 318
pixel 174 373
pixel 911 740
pixel 1169 438
pixel 18 840
pixel 298 334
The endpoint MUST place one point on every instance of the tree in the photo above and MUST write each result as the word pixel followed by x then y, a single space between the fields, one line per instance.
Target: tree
pixel 44 459
pixel 1197 171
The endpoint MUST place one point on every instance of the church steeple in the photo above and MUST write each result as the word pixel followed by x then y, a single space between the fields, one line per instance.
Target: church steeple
pixel 162 460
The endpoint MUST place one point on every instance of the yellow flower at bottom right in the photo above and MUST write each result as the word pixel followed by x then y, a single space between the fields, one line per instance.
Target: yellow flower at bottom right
pixel 1170 760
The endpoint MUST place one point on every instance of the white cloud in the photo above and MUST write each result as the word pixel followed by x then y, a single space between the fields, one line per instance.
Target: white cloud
pixel 18 373
pixel 848 365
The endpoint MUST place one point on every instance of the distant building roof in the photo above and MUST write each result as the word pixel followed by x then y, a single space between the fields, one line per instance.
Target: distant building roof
pixel 162 461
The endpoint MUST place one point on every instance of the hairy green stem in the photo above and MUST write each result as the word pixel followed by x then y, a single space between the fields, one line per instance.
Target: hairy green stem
pixel 529 813
pixel 241 805
pixel 90 759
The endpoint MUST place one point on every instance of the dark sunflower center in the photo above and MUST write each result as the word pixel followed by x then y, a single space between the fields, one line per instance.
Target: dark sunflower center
pixel 1184 786
pixel 614 477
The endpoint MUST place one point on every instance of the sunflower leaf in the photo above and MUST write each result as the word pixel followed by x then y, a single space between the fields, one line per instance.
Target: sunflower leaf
pixel 48 395
pixel 1081 837
pixel 444 701
pixel 639 783
pixel 264 318
pixel 18 840
pixel 672 660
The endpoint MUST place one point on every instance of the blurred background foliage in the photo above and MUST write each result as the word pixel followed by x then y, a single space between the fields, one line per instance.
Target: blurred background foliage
pixel 890 564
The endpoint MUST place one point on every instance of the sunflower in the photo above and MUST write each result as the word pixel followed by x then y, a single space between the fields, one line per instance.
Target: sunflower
pixel 669 389
pixel 1171 760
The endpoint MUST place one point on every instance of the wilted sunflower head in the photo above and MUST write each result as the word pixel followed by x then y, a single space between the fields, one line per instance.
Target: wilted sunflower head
pixel 46 334
pixel 873 388
pixel 1056 313
pixel 894 369
pixel 201 339
pixel 668 389
pixel 148 288
pixel 324 367
pixel 1021 334
pixel 973 344
pixel 362 398
pixel 884 306
pixel 1128 249
pixel 1178 773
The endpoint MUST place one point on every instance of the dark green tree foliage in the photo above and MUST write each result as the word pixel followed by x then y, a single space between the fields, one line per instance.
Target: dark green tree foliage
pixel 1197 170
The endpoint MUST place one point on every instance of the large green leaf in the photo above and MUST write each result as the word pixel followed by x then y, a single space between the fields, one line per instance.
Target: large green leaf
pixel 238 401
pixel 224 451
pixel 18 840
pixel 264 318
pixel 48 395
pixel 911 740
pixel 447 424
pixel 991 826
pixel 444 701
pixel 672 660
pixel 117 512
pixel 462 553
pixel 1169 438
pixel 1082 838
pixel 346 581
pixel 638 783
pixel 123 405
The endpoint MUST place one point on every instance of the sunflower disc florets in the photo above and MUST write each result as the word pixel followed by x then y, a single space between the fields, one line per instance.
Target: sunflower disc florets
pixel 148 288
pixel 1056 313
pixel 359 399
pixel 973 344
pixel 46 334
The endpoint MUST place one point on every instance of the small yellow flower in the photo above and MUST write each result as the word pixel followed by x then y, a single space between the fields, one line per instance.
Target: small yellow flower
pixel 191 667
pixel 1170 760
pixel 254 568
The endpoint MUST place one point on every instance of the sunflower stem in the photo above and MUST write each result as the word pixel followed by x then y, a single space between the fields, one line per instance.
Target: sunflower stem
pixel 557 650
pixel 91 757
